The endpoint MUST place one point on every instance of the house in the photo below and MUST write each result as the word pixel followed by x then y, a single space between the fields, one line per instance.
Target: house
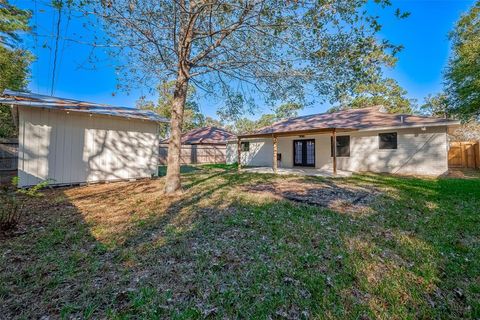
pixel 71 142
pixel 369 139
pixel 200 145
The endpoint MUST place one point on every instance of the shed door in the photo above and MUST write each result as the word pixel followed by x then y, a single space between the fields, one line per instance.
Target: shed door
pixel 304 153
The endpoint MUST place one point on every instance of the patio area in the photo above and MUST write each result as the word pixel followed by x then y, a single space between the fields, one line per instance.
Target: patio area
pixel 300 171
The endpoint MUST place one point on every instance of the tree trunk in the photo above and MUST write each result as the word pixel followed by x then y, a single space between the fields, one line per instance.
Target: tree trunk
pixel 172 183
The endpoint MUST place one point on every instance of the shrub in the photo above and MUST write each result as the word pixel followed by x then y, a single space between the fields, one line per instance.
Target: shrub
pixel 12 201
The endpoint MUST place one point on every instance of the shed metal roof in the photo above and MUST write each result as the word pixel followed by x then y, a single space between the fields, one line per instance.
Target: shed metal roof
pixel 55 103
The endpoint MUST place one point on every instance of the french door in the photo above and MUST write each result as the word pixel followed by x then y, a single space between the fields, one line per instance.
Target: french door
pixel 304 153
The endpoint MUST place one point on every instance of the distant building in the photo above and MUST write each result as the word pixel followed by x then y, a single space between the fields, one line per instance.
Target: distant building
pixel 201 145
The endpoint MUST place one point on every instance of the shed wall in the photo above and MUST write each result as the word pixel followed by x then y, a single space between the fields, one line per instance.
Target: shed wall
pixel 73 148
pixel 418 152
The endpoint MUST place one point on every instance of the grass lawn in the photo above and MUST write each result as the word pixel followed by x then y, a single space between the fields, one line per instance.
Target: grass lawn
pixel 248 246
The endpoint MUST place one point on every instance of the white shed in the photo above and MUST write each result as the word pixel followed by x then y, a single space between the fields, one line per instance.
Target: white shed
pixel 71 142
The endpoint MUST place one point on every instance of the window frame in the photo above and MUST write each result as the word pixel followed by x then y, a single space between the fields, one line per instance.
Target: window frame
pixel 387 145
pixel 304 143
pixel 337 154
pixel 245 146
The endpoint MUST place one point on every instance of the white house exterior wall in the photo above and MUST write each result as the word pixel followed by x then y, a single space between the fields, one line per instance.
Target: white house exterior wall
pixel 418 152
pixel 74 148
pixel 260 154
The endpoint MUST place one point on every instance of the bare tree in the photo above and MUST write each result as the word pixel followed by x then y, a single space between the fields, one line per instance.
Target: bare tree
pixel 243 50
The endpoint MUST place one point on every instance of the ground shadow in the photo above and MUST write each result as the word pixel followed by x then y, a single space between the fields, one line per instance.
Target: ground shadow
pixel 221 251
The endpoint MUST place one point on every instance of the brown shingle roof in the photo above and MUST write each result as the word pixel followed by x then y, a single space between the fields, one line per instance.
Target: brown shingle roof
pixel 354 119
pixel 206 135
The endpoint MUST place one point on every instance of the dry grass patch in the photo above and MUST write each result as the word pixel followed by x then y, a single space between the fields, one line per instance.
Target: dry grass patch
pixel 333 194
pixel 113 209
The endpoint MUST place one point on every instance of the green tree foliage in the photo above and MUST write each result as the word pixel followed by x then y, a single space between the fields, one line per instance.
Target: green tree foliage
pixel 14 62
pixel 211 122
pixel 7 128
pixel 14 65
pixel 192 118
pixel 467 131
pixel 286 110
pixel 436 106
pixel 271 50
pixel 439 106
pixel 463 72
pixel 244 125
pixel 12 20
pixel 386 92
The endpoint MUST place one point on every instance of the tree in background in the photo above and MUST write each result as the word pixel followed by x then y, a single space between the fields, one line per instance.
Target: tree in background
pixel 12 20
pixel 192 117
pixel 211 122
pixel 461 96
pixel 273 50
pixel 436 106
pixel 385 92
pixel 14 62
pixel 439 106
pixel 463 71
pixel 243 125
pixel 467 131
pixel 286 110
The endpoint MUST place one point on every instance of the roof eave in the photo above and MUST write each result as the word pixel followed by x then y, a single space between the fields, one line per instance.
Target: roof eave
pixel 453 123
pixel 67 108
pixel 294 132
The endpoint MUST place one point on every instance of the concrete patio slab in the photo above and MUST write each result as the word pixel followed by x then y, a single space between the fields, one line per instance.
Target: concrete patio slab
pixel 299 171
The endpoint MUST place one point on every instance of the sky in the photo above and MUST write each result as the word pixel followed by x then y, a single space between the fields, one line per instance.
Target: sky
pixel 424 35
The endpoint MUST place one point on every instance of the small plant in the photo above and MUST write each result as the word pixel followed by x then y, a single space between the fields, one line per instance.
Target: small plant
pixel 9 208
pixel 12 201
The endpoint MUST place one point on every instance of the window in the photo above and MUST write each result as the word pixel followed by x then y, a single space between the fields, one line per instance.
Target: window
pixel 245 146
pixel 387 140
pixel 343 146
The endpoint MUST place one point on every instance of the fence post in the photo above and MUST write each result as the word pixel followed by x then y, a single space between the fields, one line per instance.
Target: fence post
pixel 477 155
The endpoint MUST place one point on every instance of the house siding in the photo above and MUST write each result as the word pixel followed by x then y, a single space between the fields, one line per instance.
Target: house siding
pixel 71 148
pixel 418 152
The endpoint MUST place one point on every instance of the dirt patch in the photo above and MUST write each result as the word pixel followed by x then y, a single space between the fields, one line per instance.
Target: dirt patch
pixel 464 173
pixel 330 194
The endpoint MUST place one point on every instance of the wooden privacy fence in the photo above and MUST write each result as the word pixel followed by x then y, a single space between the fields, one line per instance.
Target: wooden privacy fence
pixel 196 154
pixel 8 154
pixel 8 159
pixel 464 155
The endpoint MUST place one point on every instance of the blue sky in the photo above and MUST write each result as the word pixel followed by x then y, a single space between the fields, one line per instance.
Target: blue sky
pixel 419 69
